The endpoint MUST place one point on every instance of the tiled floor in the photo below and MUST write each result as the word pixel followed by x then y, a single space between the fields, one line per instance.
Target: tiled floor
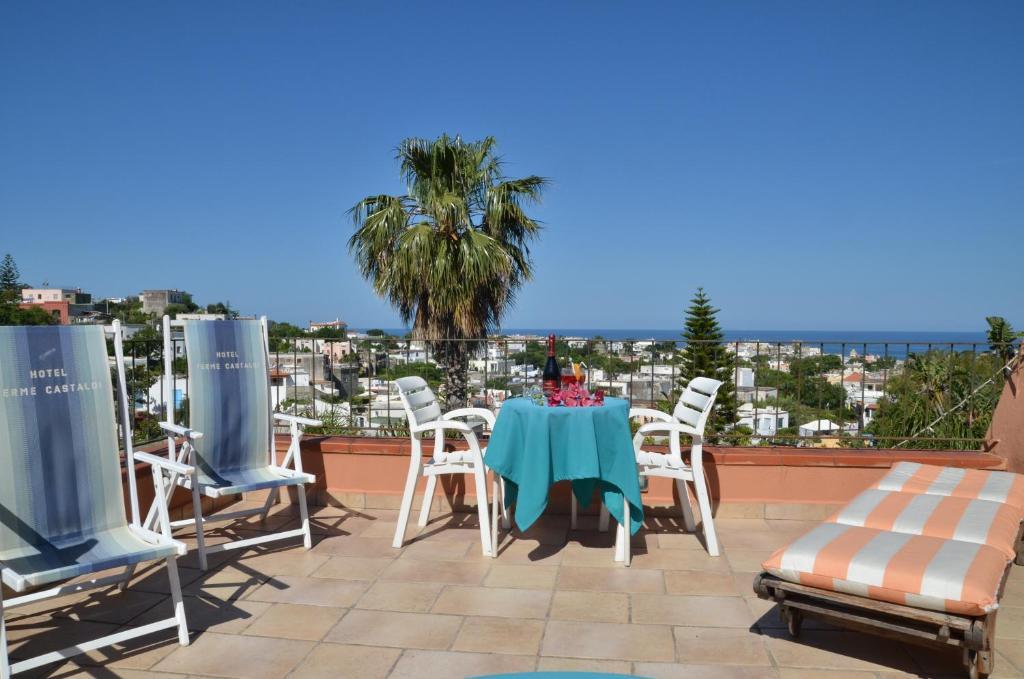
pixel 553 600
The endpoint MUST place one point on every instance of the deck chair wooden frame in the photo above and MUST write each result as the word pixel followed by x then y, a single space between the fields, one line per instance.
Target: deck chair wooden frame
pixel 181 448
pixel 975 635
pixel 162 541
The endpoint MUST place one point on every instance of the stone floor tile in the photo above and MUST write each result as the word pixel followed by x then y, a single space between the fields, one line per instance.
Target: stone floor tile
pixel 590 606
pixel 515 551
pixel 493 601
pixel 292 589
pixel 680 560
pixel 803 673
pixel 411 597
pixel 116 607
pixel 244 657
pixel 33 636
pixel 746 560
pixel 500 635
pixel 720 645
pixel 769 540
pixel 351 568
pixel 702 583
pixel 227 583
pixel 680 541
pixel 439 550
pixel 1010 623
pixel 688 671
pixel 611 641
pixel 694 611
pixel 399 630
pixel 211 614
pixel 838 650
pixel 618 579
pixel 295 621
pixel 522 576
pixel 153 578
pixel 596 556
pixel 470 573
pixel 447 664
pixel 342 545
pixel 546 664
pixel 290 561
pixel 339 661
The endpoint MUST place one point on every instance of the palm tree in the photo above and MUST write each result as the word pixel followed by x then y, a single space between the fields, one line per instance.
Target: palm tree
pixel 451 254
pixel 1001 338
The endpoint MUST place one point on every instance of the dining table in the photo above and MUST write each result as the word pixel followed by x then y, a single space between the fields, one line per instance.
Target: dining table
pixel 533 446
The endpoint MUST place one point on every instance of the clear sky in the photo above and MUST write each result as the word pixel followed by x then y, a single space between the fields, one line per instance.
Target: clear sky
pixel 815 165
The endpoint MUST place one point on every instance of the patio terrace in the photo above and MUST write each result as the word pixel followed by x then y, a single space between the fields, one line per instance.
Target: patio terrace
pixel 553 599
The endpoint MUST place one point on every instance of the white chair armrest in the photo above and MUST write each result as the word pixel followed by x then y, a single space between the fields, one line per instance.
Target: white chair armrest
pixel 656 415
pixel 673 427
pixel 178 430
pixel 164 463
pixel 484 414
pixel 295 419
pixel 439 426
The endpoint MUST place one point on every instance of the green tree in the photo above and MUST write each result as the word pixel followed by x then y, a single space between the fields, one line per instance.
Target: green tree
pixel 11 312
pixel 330 333
pixel 451 254
pixel 1001 338
pixel 222 308
pixel 428 371
pixel 10 281
pixel 705 355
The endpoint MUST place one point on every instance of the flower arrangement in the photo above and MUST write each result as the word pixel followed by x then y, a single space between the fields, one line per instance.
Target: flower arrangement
pixel 575 396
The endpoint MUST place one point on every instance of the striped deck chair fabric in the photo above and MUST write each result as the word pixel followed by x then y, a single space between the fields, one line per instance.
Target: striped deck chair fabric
pixel 61 499
pixel 924 536
pixel 957 518
pixel 912 477
pixel 229 402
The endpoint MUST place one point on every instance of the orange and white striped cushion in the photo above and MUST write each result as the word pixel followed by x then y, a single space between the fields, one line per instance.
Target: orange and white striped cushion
pixel 956 518
pixel 912 477
pixel 914 570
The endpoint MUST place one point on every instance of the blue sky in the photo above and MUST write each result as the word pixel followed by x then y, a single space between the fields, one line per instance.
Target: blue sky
pixel 817 165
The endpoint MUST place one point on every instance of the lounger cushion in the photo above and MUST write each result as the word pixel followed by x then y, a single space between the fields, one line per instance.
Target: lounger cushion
pixel 30 566
pixel 912 477
pixel 915 570
pixel 958 518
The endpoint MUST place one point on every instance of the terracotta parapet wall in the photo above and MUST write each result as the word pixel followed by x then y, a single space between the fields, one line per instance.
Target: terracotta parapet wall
pixel 350 466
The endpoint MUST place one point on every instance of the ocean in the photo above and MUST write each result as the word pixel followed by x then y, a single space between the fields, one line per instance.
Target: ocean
pixel 894 343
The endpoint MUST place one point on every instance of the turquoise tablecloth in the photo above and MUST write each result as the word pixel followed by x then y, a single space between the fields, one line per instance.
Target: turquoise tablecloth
pixel 534 446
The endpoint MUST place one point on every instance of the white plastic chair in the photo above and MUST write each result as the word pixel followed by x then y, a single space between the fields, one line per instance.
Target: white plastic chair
pixel 424 415
pixel 62 513
pixel 688 419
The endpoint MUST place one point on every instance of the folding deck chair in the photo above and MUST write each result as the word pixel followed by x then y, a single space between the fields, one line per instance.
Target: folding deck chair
pixel 229 444
pixel 62 513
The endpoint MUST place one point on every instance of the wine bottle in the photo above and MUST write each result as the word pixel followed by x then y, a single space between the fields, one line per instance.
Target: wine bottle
pixel 552 375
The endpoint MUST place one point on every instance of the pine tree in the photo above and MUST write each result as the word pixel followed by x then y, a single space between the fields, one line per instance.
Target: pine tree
pixel 706 355
pixel 10 281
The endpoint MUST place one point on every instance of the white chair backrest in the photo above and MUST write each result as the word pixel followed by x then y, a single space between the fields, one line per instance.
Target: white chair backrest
pixel 418 400
pixel 696 402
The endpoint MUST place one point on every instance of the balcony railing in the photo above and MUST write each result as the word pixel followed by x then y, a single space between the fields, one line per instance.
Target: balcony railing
pixel 852 393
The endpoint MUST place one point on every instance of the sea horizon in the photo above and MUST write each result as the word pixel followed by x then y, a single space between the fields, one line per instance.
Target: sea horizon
pixel 853 337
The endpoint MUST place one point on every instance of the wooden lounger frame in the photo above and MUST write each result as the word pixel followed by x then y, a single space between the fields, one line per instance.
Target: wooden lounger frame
pixel 974 634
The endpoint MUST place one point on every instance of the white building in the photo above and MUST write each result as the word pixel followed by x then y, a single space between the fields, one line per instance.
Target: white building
pixel 762 421
pixel 820 428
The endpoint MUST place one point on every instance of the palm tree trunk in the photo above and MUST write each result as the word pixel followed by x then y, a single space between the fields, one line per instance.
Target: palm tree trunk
pixel 454 358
